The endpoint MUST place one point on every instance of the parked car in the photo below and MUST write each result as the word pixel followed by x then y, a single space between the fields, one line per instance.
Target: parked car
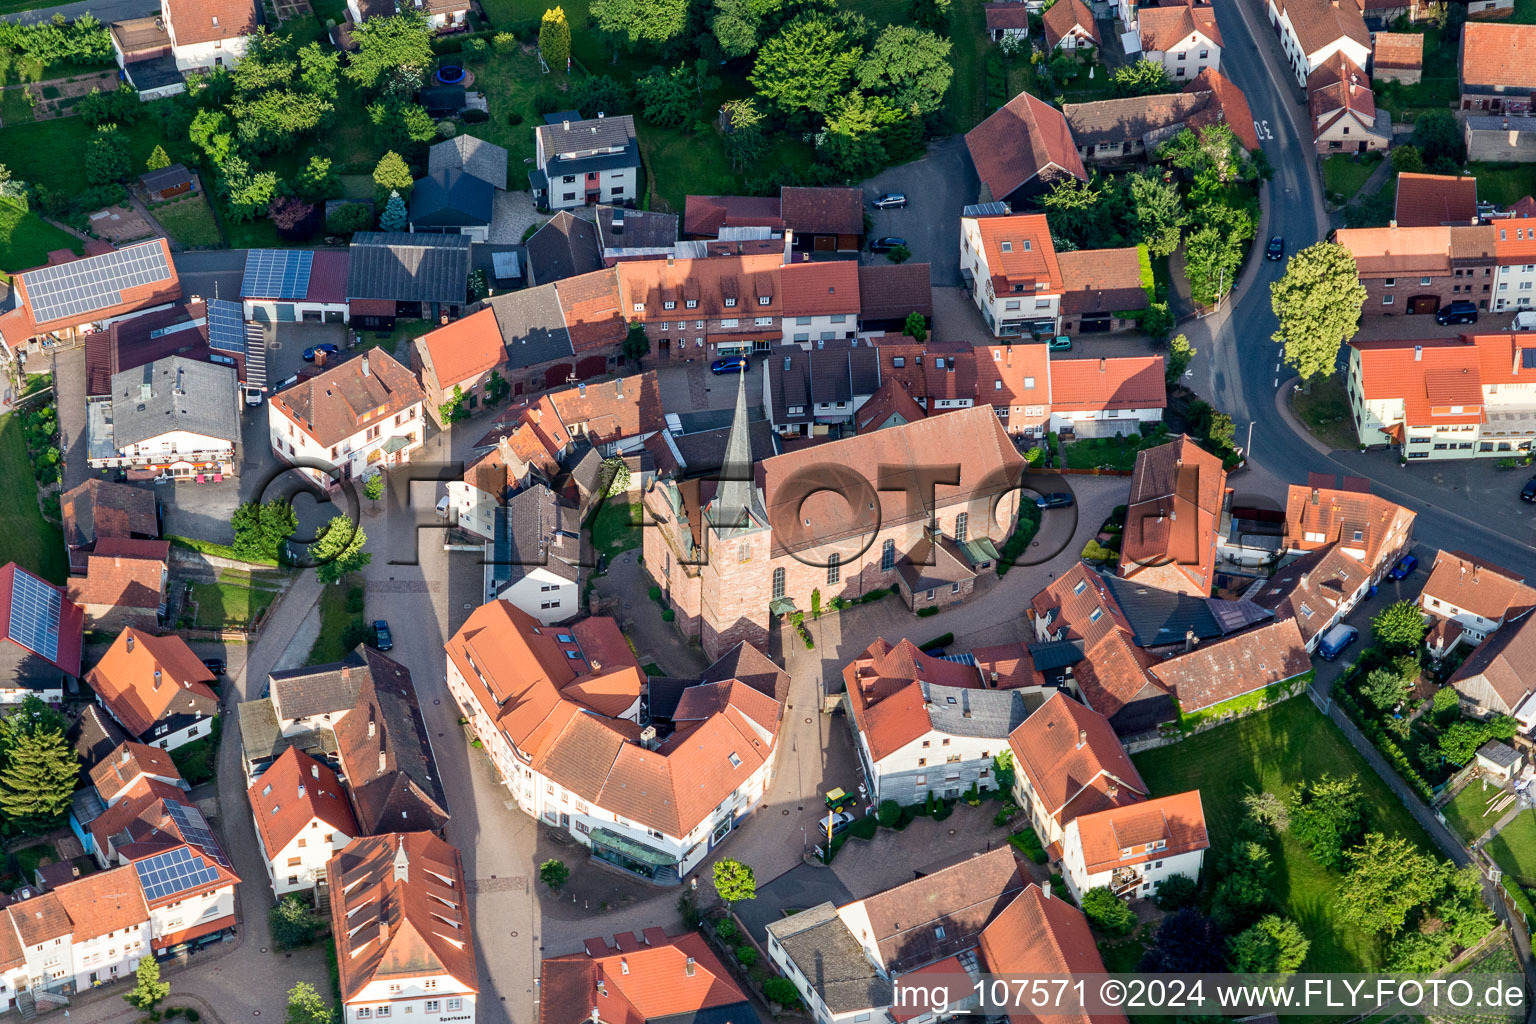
pixel 1459 312
pixel 214 665
pixel 1404 567
pixel 1275 250
pixel 1058 499
pixel 381 635
pixel 730 364
pixel 1060 343
pixel 329 350
pixel 1528 493
pixel 891 201
pixel 1524 321
pixel 1335 640
pixel 442 507
pixel 887 243
pixel 837 821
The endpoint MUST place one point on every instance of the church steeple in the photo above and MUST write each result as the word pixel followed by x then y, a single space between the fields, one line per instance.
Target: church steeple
pixel 733 498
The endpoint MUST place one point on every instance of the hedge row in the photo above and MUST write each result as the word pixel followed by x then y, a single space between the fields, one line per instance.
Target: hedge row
pixel 1383 742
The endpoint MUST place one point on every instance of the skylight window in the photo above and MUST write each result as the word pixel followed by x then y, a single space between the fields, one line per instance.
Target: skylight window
pixel 735 760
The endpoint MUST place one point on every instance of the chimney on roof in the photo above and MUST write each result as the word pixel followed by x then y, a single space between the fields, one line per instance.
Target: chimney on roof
pixel 1103 364
pixel 1392 223
pixel 1045 891
pixel 618 387
pixel 346 673
pixel 595 1018
pixel 127 755
pixel 157 679
pixel 370 730
pixel 994 679
pixel 1315 496
pixel 1112 790
pixel 314 771
pixel 130 643
pixel 623 966
pixel 1189 640
pixel 566 124
pixel 365 367
pixel 1418 353
pixel 1082 738
pixel 383 762
pixel 688 967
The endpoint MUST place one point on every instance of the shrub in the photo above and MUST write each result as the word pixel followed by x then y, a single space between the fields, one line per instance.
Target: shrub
pixel 1107 912
pixel 942 640
pixel 923 613
pixel 1027 842
pixel 554 873
pixel 667 615
pixel 746 955
pixel 888 813
pixel 781 991
pixel 726 929
pixel 349 218
pixel 654 592
pixel 546 103
pixel 504 40
pixel 474 116
pixel 1174 893
pixel 475 49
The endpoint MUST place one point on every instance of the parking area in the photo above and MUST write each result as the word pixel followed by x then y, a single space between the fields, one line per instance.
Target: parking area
pixel 930 222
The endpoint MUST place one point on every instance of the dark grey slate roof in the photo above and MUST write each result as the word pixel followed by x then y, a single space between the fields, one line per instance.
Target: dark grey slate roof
pixel 567 136
pixel 1055 654
pixel 485 160
pixel 734 1013
pixel 1485 123
pixel 165 177
pixel 408 267
pixel 536 528
pixel 1501 754
pixel 1164 617
pixel 94 735
pixel 619 228
pixel 963 711
pixel 564 247
pixel 663 694
pixel 174 394
pixel 451 198
pixel 703 453
pixel 318 689
pixel 532 325
pixel 832 960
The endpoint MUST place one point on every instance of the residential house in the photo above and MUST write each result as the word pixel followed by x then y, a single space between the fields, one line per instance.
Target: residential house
pixel 99 508
pixel 941 376
pixel 1345 117
pixel 582 162
pixel 455 364
pixel 1445 398
pixel 926 726
pixel 824 296
pixel 1475 596
pixel 729 554
pixel 167 182
pixel 891 292
pixel 359 417
pixel 441 15
pixel 1397 56
pixel 650 978
pixel 1515 253
pixel 295 286
pixel 174 417
pixel 1010 20
pixel 1500 138
pixel 1271 660
pixel 302 821
pixel 125 584
pixel 734 305
pixel 117 774
pixel 62 300
pixel 1120 131
pixel 1366 527
pixel 1107 397
pixel 538 346
pixel 43 634
pixel 1020 389
pixel 1177 493
pixel 187 37
pixel 538 555
pixel 1497 678
pixel 1311 31
pixel 1010 267
pixel 405 275
pixel 400 914
pixel 1069 762
pixel 1102 290
pixel 565 246
pixel 558 711
pixel 1021 148
pixel 809 392
pixel 823 219
pixel 84 934
pixel 481 159
pixel 1183 38
pixel 1425 200
pixel 452 202
pixel 1131 850
pixel 1417 270
pixel 207 332
pixel 94 735
pixel 1495 63
pixel 1072 28
pixel 890 406
pixel 157 688
pixel 709 216
pixel 1317 590
pixel 635 234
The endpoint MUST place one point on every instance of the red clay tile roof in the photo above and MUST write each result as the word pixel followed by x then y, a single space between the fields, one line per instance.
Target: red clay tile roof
pixel 886 696
pixel 140 800
pixel 591 307
pixel 1018 142
pixel 610 410
pixel 1113 675
pixel 1357 520
pixel 1227 105
pixel 126 764
pixel 1124 382
pixel 104 902
pixel 42 919
pixel 1177 27
pixel 1007 666
pixel 1073 759
pixel 822 210
pixel 1516 242
pixel 24 325
pixel 399 910
pixel 335 404
pixel 1392 252
pixel 1019 250
pixel 1069 602
pixel 294 791
pixel 464 349
pixel 1007 15
pixel 1063 17
pixel 1101 280
pixel 818 289
pixel 1177 490
pixel 1314 587
pixel 1473 585
pixel 144 678
pixel 1320 22
pixel 122 580
pixel 1431 199
pixel 706 215
pixel 1235 665
pixel 1499 54
pixel 1177 821
pixel 711 283
pixel 1403 50
pixel 205 21
pixel 961 899
pixel 888 291
pixel 1041 933
pixel 1505 663
pixel 670 976
pixel 1404 369
pixel 890 400
pixel 99 508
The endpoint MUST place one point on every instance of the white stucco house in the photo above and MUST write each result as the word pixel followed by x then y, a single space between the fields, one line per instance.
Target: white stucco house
pixel 584 162
pixel 1129 850
pixel 302 820
pixel 175 417
pixel 1009 263
pixel 1311 31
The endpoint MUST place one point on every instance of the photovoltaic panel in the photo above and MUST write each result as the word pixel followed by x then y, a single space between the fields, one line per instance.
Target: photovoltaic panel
pixel 277 274
pixel 194 829
pixel 35 610
pixel 178 870
pixel 226 326
pixel 97 282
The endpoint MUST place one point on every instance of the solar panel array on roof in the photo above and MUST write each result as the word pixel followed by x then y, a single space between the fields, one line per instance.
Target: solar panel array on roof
pixel 277 274
pixel 178 870
pixel 97 282
pixel 226 326
pixel 194 829
pixel 35 608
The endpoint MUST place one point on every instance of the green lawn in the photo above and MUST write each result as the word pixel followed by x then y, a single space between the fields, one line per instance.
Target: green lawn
pixel 967 100
pixel 1114 452
pixel 17 68
pixel 189 221
pixel 30 858
pixel 1343 175
pixel 49 151
pixel 229 605
pixel 1503 183
pixel 25 536
pixel 334 619
pixel 1436 88
pixel 1275 750
pixel 26 239
pixel 1525 12
pixel 1466 814
pixel 198 761
pixel 1514 849
pixel 208 547
pixel 15 106
pixel 615 527
pixel 1326 412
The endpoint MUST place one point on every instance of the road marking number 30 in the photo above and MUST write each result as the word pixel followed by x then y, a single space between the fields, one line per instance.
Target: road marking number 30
pixel 1261 129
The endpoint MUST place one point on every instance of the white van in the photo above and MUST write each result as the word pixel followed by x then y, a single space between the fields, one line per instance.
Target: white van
pixel 1524 321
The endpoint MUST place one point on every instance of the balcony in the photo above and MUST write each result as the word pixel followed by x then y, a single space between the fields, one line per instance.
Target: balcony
pixel 1124 881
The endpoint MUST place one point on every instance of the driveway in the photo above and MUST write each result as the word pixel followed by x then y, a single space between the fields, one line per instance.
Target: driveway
pixel 937 187
pixel 512 213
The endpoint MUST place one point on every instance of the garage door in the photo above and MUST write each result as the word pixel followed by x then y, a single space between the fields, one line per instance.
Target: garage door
pixel 285 313
pixel 1423 304
pixel 555 375
pixel 1094 323
pixel 591 366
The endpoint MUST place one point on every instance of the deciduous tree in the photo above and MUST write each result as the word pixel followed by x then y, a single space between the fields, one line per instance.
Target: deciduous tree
pixel 1107 912
pixel 641 21
pixel 318 182
pixel 858 131
pixel 1328 816
pixel 246 192
pixel 916 326
pixel 338 550
pixel 1273 945
pixel 1399 627
pixel 1318 304
pixel 911 66
pixel 305 1006
pixel 554 873
pixel 1385 688
pixel 106 156
pixel 1141 78
pixel 1186 942
pixel 373 487
pixel 293 923
pixel 1438 138
pixel 734 881
pixel 1160 213
pixel 637 344
pixel 744 140
pixel 1211 259
pixel 555 39
pixel 149 990
pixel 1180 352
pixel 665 96
pixel 393 53
pixel 1389 878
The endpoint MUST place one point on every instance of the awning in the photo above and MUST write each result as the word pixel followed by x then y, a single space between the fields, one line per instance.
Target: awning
pixel 635 851
pixel 781 606
pixel 396 443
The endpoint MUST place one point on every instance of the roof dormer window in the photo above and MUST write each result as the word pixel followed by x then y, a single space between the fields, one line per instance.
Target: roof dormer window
pixel 1006 246
pixel 730 303
pixel 691 303
pixel 669 304
pixel 639 307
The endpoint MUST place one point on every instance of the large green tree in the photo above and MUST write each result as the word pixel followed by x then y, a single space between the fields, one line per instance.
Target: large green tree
pixel 1160 213
pixel 738 23
pixel 909 65
pixel 1318 304
pixel 666 96
pixel 1385 688
pixel 260 529
pixel 149 989
pixel 318 181
pixel 637 344
pixel 393 53
pixel 293 923
pixel 106 156
pixel 1328 816
pixel 1399 627
pixel 734 881
pixel 338 550
pixel 400 125
pixel 1141 78
pixel 1438 137
pixel 861 132
pixel 1211 259
pixel 305 1006
pixel 555 39
pixel 1107 912
pixel 1273 945
pixel 247 191
pixel 641 21
pixel 391 174
pixel 807 65
pixel 38 780
pixel 1389 878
